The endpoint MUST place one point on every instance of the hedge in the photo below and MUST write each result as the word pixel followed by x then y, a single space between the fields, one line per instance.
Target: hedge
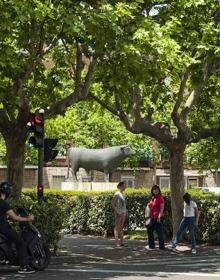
pixel 91 213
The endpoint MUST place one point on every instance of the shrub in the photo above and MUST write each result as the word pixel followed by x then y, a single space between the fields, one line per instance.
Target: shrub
pixel 91 213
pixel 49 217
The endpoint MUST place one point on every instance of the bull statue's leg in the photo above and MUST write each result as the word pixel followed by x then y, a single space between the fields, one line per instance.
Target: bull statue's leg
pixel 74 170
pixel 75 177
pixel 92 175
pixel 110 176
pixel 106 176
pixel 88 176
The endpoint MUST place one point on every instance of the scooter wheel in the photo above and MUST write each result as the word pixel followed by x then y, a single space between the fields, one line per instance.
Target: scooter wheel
pixel 41 257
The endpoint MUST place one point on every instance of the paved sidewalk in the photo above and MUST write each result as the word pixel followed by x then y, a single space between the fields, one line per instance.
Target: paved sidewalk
pixel 89 258
pixel 99 248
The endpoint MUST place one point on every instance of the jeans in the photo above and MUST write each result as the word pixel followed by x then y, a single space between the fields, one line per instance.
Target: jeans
pixel 158 227
pixel 190 223
pixel 20 244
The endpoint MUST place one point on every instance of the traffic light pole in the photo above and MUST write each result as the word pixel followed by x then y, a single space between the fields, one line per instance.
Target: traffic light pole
pixel 40 172
pixel 40 167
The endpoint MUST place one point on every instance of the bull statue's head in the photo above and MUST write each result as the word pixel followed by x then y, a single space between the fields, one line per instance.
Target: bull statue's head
pixel 127 151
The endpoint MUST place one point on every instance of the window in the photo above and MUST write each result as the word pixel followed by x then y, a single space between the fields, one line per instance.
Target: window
pixel 129 181
pixel 57 180
pixel 192 182
pixel 164 182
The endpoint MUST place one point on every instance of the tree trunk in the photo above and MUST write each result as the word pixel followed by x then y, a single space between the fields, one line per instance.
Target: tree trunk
pixel 177 185
pixel 15 144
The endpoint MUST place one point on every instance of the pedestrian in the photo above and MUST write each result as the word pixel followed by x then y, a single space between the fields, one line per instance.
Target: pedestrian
pixel 119 205
pixel 190 220
pixel 5 228
pixel 155 223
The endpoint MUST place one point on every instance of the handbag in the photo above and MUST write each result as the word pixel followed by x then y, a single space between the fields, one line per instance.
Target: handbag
pixel 147 216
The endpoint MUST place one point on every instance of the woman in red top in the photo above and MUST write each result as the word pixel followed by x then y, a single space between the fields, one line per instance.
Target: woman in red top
pixel 156 206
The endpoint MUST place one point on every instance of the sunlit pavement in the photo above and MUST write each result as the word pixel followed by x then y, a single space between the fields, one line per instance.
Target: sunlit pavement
pixel 83 257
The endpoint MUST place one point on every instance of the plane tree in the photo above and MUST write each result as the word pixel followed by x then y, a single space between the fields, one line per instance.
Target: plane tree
pixel 48 53
pixel 36 71
pixel 153 64
pixel 161 78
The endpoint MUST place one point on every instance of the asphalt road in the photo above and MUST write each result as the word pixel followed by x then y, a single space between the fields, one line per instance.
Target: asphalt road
pixel 97 258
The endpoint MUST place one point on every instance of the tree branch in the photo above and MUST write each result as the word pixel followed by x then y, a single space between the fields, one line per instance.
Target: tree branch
pixel 35 57
pixel 190 101
pixel 208 68
pixel 179 100
pixel 8 110
pixel 205 133
pixel 87 82
pixel 150 110
pixel 60 106
pixel 122 115
pixel 136 107
pixel 4 123
pixel 79 67
pixel 177 118
pixel 72 66
pixel 103 104
pixel 155 130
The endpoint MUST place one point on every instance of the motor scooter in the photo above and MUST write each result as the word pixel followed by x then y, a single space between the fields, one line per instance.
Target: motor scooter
pixel 38 251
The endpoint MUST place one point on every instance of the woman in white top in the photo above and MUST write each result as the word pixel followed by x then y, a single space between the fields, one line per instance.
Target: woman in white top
pixel 119 205
pixel 190 220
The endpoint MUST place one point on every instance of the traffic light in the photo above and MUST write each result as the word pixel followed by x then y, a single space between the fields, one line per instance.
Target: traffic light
pixel 40 194
pixel 36 125
pixel 49 152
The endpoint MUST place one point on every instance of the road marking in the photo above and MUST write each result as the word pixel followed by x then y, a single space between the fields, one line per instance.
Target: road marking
pixel 194 261
pixel 181 263
pixel 148 273
pixel 195 264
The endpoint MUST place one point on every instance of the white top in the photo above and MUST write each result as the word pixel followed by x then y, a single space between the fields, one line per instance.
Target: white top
pixel 120 203
pixel 189 210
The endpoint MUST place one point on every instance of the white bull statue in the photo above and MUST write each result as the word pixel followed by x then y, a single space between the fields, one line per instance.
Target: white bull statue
pixel 105 160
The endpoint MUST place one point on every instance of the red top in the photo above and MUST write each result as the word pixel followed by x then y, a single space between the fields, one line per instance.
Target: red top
pixel 154 205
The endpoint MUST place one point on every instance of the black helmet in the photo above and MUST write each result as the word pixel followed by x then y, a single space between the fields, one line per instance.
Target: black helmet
pixel 5 188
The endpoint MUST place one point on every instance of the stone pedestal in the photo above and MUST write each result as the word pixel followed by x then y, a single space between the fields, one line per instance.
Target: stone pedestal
pixel 88 186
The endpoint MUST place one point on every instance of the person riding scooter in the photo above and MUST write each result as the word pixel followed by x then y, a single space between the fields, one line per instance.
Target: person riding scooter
pixel 5 228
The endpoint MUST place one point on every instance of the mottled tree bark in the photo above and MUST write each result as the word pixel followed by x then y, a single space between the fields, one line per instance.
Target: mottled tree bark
pixel 15 161
pixel 177 183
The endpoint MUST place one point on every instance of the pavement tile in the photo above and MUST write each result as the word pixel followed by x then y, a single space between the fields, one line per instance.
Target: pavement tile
pixel 99 249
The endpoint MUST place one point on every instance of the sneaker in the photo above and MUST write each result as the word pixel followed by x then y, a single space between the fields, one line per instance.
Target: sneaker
pixel 26 269
pixel 172 247
pixel 194 251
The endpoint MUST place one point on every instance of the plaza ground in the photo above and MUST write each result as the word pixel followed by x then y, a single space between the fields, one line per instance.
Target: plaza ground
pixel 91 258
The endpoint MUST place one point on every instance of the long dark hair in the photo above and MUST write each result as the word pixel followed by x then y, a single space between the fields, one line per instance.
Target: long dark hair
pixel 155 187
pixel 120 184
pixel 187 198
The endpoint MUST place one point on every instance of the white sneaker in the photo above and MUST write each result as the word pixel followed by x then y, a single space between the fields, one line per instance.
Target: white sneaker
pixel 194 251
pixel 172 247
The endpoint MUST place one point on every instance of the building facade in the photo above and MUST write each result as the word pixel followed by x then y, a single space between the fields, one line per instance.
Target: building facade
pixel 134 177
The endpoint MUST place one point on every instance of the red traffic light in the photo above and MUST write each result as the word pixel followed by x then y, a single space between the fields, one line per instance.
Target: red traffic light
pixel 40 194
pixel 34 118
pixel 36 126
pixel 40 188
pixel 37 120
